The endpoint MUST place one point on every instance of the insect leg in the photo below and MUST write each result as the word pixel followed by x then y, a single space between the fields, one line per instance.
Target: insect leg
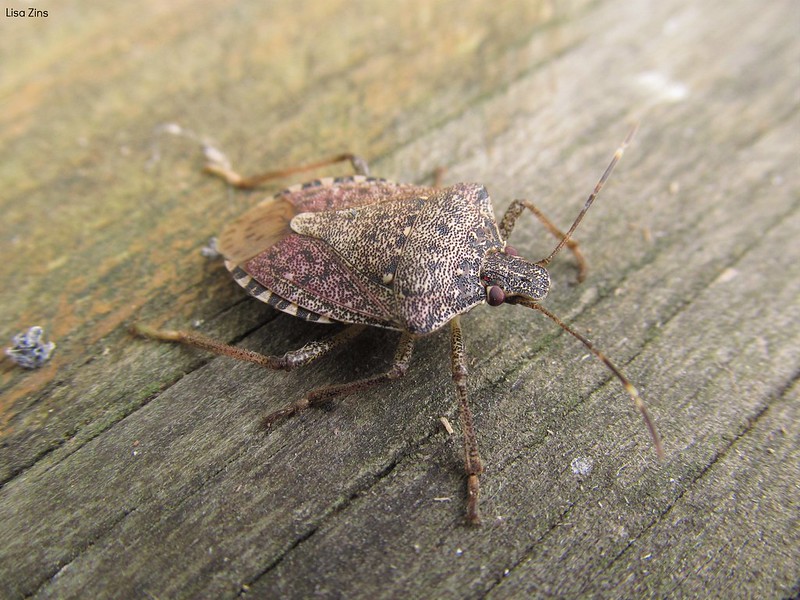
pixel 287 362
pixel 402 357
pixel 565 239
pixel 438 176
pixel 233 178
pixel 516 209
pixel 472 460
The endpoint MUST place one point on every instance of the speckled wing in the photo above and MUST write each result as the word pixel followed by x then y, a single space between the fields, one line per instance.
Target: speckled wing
pixel 267 222
pixel 417 260
pixel 304 275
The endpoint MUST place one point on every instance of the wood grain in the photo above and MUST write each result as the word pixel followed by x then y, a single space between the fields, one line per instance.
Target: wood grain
pixel 136 469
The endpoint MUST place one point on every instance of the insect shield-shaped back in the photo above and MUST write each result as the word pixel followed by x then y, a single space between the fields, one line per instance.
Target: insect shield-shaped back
pixel 366 251
pixel 506 276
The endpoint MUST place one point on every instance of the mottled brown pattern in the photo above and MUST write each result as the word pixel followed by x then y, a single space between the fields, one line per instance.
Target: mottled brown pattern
pixel 259 291
pixel 259 228
pixel 515 276
pixel 370 239
pixel 371 251
pixel 439 273
pixel 348 192
pixel 304 271
pixel 267 223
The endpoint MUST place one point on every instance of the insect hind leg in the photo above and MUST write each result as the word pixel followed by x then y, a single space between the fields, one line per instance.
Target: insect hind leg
pixel 323 395
pixel 291 360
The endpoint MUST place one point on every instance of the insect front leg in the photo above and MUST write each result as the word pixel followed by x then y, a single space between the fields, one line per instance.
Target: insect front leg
pixel 516 209
pixel 565 239
pixel 472 460
pixel 223 170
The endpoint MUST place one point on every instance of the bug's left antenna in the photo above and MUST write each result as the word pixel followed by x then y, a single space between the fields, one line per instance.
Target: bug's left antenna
pixel 590 200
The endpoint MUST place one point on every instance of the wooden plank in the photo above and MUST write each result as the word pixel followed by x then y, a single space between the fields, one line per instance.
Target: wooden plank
pixel 131 468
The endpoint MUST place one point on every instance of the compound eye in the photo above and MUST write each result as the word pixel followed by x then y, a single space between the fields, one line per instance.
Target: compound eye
pixel 495 295
pixel 511 251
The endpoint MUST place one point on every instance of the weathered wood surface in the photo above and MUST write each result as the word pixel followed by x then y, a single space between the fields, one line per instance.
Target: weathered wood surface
pixel 134 469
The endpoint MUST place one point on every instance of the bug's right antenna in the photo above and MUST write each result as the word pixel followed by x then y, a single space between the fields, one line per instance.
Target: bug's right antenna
pixel 617 155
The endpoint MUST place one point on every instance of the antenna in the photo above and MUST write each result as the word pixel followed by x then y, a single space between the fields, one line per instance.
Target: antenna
pixel 590 200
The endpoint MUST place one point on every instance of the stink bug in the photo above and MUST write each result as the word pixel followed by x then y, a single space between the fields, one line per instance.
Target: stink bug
pixel 370 252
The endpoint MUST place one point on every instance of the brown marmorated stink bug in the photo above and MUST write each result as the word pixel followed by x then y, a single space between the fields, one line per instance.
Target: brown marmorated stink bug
pixel 370 252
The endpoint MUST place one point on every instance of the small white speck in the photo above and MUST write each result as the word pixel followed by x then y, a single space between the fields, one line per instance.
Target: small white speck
pixel 172 128
pixel 661 88
pixel 446 424
pixel 727 275
pixel 671 26
pixel 210 249
pixel 581 466
pixel 216 157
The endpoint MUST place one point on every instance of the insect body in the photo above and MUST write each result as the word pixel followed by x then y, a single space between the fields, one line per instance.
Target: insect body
pixel 362 250
pixel 369 252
